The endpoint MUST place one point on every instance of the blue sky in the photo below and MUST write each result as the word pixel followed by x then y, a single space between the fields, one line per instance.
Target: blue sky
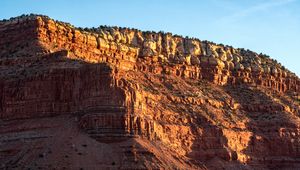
pixel 268 26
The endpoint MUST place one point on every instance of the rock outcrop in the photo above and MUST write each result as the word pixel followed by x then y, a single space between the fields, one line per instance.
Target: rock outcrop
pixel 153 99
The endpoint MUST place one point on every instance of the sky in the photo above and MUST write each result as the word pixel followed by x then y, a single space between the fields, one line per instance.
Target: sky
pixel 268 26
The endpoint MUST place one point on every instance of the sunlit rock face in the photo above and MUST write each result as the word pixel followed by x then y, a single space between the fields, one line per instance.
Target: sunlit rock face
pixel 121 98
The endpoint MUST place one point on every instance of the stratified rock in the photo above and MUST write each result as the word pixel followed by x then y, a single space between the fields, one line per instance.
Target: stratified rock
pixel 110 98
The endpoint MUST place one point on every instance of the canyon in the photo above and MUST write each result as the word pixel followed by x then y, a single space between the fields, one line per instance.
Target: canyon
pixel 120 98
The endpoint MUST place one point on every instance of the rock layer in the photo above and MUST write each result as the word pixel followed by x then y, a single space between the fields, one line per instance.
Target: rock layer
pixel 203 105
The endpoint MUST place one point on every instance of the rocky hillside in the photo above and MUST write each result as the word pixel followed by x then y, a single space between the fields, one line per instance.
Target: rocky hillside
pixel 121 98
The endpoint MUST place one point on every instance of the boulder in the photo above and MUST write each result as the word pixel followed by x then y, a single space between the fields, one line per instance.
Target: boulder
pixel 193 47
pixel 149 44
pixel 236 58
pixel 239 66
pixel 256 68
pixel 229 65
pixel 229 57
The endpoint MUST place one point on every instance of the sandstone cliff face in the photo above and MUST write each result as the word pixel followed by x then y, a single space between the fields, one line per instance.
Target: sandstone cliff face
pixel 185 103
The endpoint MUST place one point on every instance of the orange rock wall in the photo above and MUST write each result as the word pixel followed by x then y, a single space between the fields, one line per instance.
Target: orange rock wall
pixel 94 47
pixel 151 85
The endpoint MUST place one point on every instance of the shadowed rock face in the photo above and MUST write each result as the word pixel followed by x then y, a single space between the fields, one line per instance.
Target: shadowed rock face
pixel 122 98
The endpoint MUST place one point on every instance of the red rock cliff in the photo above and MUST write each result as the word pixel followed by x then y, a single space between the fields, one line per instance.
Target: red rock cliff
pixel 182 103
